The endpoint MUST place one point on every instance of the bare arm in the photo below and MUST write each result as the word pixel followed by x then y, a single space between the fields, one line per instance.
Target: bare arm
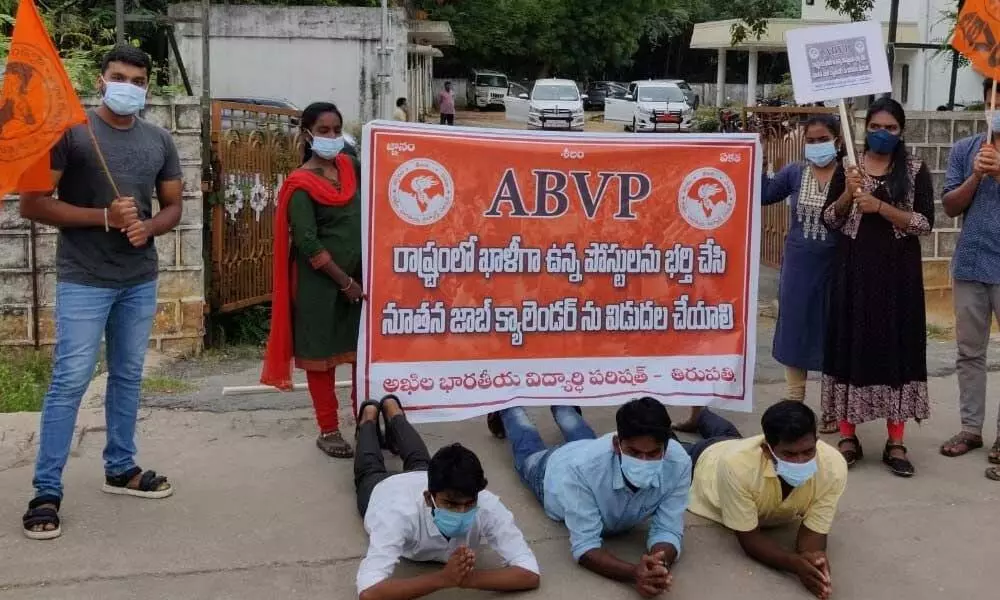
pixel 407 589
pixel 606 564
pixel 768 552
pixel 958 200
pixel 170 194
pixel 44 208
pixel 507 579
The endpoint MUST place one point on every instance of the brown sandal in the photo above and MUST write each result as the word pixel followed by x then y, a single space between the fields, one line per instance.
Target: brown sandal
pixel 994 455
pixel 993 473
pixel 333 444
pixel 961 444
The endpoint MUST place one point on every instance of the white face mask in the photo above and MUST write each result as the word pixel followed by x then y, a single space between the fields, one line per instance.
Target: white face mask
pixel 794 474
pixel 993 117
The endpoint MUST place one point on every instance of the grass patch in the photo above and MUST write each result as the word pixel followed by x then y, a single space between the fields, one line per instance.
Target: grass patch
pixel 165 386
pixel 938 332
pixel 230 353
pixel 24 377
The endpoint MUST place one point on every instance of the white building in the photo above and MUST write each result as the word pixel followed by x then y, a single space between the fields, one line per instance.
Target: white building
pixel 308 54
pixel 921 78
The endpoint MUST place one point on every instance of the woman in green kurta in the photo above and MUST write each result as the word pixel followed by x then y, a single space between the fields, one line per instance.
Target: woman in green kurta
pixel 316 303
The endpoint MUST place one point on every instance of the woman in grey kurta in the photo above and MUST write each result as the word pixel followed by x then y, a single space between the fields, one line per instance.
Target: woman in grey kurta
pixel 803 287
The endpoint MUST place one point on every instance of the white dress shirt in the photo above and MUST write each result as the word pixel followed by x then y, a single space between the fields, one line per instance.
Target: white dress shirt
pixel 400 525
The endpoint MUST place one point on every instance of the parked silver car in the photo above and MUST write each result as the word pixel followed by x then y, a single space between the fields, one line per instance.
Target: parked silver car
pixel 692 97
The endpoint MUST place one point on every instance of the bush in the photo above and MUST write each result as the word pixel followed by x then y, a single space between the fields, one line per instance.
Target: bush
pixel 706 120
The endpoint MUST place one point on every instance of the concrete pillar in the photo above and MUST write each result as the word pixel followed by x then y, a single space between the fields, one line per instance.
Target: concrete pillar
pixel 752 78
pixel 720 79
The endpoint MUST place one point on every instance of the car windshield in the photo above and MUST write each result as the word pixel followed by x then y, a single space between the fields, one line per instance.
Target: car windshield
pixel 564 93
pixel 660 94
pixel 497 81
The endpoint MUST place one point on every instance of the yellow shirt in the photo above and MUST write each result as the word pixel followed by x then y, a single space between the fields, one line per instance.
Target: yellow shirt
pixel 735 485
pixel 399 114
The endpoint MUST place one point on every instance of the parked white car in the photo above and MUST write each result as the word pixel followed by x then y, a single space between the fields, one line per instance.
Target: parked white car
pixel 553 104
pixel 651 106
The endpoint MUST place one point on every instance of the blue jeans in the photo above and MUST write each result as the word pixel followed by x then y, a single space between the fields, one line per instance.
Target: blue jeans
pixel 530 453
pixel 124 316
pixel 713 429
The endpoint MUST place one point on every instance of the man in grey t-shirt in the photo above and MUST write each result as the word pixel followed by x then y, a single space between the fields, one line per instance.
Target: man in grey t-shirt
pixel 106 269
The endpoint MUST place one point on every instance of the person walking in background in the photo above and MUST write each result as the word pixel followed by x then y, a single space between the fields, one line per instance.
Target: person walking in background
pixel 875 363
pixel 804 285
pixel 106 274
pixel 316 302
pixel 971 190
pixel 446 104
pixel 400 114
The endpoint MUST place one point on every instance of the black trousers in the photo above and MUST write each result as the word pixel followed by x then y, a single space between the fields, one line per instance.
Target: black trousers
pixel 447 119
pixel 369 464
pixel 713 429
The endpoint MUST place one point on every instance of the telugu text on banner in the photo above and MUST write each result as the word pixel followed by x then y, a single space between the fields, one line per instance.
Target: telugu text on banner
pixel 504 269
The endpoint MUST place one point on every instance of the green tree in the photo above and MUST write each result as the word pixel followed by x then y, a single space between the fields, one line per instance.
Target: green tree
pixel 535 38
pixel 755 13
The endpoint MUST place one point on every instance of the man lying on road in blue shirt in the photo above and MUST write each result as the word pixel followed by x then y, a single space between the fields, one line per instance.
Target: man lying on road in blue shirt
pixel 608 485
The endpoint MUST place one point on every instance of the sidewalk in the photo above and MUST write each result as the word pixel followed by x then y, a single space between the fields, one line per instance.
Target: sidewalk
pixel 260 513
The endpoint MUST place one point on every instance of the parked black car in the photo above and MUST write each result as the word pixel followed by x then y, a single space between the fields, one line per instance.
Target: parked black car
pixel 597 91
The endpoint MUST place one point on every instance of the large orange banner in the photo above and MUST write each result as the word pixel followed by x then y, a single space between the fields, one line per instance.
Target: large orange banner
pixel 505 268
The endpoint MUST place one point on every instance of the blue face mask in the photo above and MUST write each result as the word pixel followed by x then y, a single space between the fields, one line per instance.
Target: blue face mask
pixel 641 473
pixel 882 141
pixel 794 474
pixel 124 99
pixel 821 154
pixel 325 147
pixel 453 524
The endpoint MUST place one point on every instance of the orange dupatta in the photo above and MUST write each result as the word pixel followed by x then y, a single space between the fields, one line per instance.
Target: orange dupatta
pixel 277 371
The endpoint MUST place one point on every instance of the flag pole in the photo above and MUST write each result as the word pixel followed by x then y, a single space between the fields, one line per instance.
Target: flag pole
pixel 104 163
pixel 993 108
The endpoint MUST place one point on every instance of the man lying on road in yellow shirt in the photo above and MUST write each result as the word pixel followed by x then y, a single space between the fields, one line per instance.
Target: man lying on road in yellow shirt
pixel 785 475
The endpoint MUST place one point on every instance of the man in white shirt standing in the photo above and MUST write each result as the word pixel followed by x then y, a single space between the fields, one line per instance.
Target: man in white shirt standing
pixel 437 510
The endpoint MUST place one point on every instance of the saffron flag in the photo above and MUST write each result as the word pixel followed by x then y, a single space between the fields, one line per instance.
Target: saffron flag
pixel 37 105
pixel 977 35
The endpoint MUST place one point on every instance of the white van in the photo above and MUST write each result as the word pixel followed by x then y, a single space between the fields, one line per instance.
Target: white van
pixel 651 106
pixel 553 104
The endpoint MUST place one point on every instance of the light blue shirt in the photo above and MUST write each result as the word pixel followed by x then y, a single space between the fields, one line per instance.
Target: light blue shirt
pixel 584 487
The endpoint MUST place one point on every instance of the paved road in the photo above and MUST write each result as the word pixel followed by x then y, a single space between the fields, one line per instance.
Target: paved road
pixel 261 514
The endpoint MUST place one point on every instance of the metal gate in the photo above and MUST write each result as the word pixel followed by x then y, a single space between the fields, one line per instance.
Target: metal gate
pixel 782 137
pixel 254 148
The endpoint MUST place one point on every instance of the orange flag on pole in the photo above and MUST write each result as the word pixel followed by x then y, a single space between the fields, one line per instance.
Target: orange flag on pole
pixel 37 105
pixel 977 35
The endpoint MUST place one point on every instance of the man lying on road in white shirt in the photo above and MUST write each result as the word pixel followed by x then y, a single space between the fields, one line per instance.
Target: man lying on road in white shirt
pixel 437 510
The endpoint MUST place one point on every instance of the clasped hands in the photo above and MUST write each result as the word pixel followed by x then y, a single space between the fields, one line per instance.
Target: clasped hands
pixel 652 577
pixel 123 215
pixel 865 202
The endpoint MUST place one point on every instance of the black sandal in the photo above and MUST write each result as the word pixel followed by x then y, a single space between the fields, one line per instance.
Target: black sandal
pixel 150 485
pixel 851 455
pixel 389 443
pixel 39 513
pixel 378 426
pixel 900 467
